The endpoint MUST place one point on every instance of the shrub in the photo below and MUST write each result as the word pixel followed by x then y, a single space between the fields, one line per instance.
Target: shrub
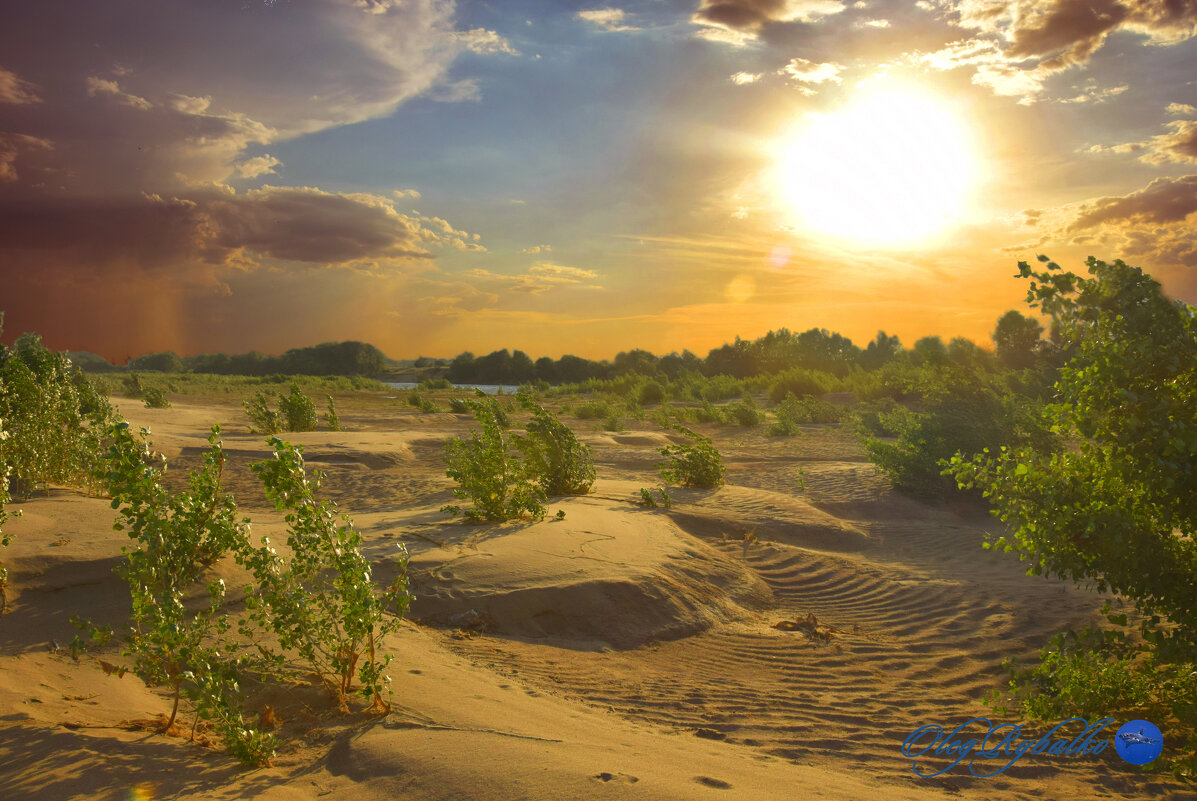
pixel 155 398
pixel 459 406
pixel 429 406
pixel 489 471
pixel 435 383
pixel 744 413
pixel 612 422
pixel 177 536
pixel 331 419
pixel 706 413
pixel 322 602
pixel 594 409
pixel 799 382
pixel 651 392
pixel 131 385
pixel 561 463
pixel 413 399
pixel 262 418
pixel 693 464
pixel 54 419
pixel 297 410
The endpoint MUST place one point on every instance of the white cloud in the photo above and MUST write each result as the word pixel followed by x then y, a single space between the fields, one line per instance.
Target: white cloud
pixel 742 78
pixel 484 42
pixel 258 166
pixel 607 19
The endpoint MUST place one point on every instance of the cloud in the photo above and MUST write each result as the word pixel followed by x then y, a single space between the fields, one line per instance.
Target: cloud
pixel 12 145
pixel 1177 146
pixel 799 70
pixel 1023 42
pixel 607 19
pixel 1154 223
pixel 738 22
pixel 414 194
pixel 484 42
pixel 463 91
pixel 873 23
pixel 538 279
pixel 1164 200
pixel 258 166
pixel 252 74
pixel 537 249
pixel 15 90
pixel 1093 94
pixel 742 78
pixel 1180 109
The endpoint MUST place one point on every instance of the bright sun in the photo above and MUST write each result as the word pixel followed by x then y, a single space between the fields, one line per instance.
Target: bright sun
pixel 893 167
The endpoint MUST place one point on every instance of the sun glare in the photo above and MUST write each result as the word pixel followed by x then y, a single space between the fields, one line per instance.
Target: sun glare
pixel 893 167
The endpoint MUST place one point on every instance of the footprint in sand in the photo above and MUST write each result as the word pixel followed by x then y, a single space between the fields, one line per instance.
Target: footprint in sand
pixel 718 784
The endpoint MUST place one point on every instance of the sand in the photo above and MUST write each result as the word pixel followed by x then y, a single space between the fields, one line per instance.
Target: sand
pixel 622 652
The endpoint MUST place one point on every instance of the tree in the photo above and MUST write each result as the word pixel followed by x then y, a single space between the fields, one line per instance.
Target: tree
pixel 1116 508
pixel 165 362
pixel 1017 338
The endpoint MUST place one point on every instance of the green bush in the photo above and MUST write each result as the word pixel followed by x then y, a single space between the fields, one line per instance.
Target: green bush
pixel 262 418
pixel 592 410
pixel 489 470
pixel 54 419
pixel 744 413
pixel 459 406
pixel 321 601
pixel 176 538
pixel 331 419
pixel 297 410
pixel 693 464
pixel 561 463
pixel 435 383
pixel 651 392
pixel 155 398
pixel 799 382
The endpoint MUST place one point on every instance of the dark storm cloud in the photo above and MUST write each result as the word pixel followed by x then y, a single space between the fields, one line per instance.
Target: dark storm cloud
pixel 1164 200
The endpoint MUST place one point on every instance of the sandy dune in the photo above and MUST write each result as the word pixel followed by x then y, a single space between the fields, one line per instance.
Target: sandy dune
pixel 622 652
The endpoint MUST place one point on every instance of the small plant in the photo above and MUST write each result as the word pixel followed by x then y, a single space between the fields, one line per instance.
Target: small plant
pixel 693 464
pixel 331 420
pixel 489 471
pixel 651 392
pixel 262 418
pixel 429 406
pixel 745 413
pixel 612 422
pixel 155 398
pixel 801 480
pixel 131 385
pixel 322 602
pixel 413 399
pixel 177 537
pixel 459 406
pixel 297 410
pixel 561 464
pixel 647 499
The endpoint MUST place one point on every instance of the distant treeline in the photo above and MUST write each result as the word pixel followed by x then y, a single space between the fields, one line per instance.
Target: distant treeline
pixel 329 358
pixel 1016 338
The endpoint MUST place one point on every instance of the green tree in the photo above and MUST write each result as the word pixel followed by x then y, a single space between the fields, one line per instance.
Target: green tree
pixel 1116 508
pixel 1017 338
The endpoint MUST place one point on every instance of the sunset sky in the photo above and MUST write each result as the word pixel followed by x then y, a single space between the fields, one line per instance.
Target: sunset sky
pixel 561 177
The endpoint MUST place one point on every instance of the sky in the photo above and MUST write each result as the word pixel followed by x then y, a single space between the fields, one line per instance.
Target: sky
pixel 575 177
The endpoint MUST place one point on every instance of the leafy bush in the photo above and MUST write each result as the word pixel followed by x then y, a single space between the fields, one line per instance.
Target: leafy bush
pixel 651 392
pixel 693 464
pixel 590 410
pixel 745 413
pixel 490 471
pixel 1118 507
pixel 155 398
pixel 647 499
pixel 321 602
pixel 799 382
pixel 459 406
pixel 963 412
pixel 429 406
pixel 131 385
pixel 612 422
pixel 331 419
pixel 435 383
pixel 297 410
pixel 561 463
pixel 54 418
pixel 177 536
pixel 262 418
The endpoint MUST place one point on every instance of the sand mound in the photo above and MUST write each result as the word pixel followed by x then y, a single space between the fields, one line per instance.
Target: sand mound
pixel 604 574
pixel 733 511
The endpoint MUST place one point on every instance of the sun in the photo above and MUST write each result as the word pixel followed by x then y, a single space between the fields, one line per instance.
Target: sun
pixel 893 167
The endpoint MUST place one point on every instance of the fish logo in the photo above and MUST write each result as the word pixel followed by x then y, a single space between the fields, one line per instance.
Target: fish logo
pixel 1139 742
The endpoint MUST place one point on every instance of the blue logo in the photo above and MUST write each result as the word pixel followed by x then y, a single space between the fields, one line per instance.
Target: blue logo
pixel 989 748
pixel 1139 742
